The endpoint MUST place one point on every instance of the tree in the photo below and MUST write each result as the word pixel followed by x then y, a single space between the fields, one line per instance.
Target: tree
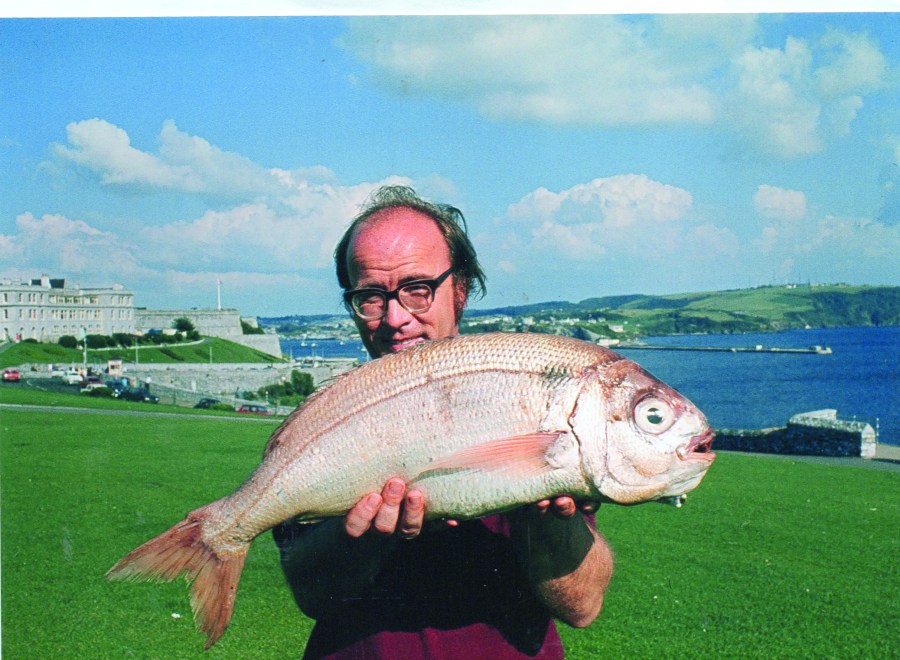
pixel 183 324
pixel 302 383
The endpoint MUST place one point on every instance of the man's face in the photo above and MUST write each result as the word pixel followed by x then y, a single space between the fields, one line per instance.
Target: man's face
pixel 397 246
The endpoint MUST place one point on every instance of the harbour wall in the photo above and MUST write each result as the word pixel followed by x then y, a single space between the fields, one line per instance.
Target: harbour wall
pixel 185 384
pixel 227 378
pixel 817 433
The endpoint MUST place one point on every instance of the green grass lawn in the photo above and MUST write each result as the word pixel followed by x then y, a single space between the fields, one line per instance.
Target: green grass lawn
pixel 770 557
pixel 210 349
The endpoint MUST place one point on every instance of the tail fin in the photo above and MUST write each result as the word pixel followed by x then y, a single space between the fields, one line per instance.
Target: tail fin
pixel 181 551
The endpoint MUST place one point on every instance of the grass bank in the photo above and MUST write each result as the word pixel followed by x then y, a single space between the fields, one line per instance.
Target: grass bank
pixel 209 349
pixel 770 557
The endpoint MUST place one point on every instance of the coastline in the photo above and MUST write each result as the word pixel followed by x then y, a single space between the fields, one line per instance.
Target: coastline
pixel 885 452
pixel 887 457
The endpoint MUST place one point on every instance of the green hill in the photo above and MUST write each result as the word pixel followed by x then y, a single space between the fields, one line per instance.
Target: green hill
pixel 763 309
pixel 209 349
pixel 760 309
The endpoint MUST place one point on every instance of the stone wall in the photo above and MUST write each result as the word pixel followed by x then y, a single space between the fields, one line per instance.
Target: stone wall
pixel 224 323
pixel 226 379
pixel 818 433
pixel 268 344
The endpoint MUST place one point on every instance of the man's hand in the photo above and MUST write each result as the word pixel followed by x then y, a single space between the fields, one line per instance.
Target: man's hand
pixel 564 506
pixel 392 511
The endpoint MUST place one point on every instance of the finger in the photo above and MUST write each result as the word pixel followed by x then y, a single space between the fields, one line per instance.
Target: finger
pixel 413 515
pixel 588 506
pixel 564 506
pixel 542 506
pixel 359 518
pixel 389 513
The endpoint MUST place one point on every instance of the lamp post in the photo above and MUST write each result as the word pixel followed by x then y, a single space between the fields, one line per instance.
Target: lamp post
pixel 84 348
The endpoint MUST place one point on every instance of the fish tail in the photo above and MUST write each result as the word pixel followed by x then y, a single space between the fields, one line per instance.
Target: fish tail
pixel 182 551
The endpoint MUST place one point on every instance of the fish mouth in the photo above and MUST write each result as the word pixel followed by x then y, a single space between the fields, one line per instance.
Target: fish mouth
pixel 400 344
pixel 699 448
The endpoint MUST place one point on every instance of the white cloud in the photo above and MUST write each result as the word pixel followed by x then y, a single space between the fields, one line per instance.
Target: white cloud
pixel 87 256
pixel 854 64
pixel 106 149
pixel 628 212
pixel 54 243
pixel 625 233
pixel 630 233
pixel 561 69
pixel 185 163
pixel 622 231
pixel 833 249
pixel 779 204
pixel 298 234
pixel 793 100
pixel 788 100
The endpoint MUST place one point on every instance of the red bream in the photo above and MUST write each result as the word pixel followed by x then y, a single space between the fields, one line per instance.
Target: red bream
pixel 478 423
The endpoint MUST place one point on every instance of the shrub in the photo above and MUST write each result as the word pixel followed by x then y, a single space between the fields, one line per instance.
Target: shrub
pixel 124 339
pixel 98 341
pixel 221 406
pixel 68 341
pixel 183 324
pixel 248 329
pixel 302 383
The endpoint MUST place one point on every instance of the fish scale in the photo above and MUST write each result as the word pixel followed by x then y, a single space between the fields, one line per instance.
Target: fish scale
pixel 478 423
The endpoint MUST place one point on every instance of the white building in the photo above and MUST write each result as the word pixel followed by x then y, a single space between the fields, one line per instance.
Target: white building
pixel 46 309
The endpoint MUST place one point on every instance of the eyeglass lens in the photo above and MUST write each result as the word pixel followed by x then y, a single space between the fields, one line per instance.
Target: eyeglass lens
pixel 415 298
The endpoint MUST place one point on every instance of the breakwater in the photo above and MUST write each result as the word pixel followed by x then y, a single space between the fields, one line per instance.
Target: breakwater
pixel 817 350
pixel 817 433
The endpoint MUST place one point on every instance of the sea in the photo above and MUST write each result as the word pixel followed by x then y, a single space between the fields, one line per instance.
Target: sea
pixel 860 378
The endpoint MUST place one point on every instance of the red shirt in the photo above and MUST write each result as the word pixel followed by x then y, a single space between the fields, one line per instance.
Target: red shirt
pixel 453 593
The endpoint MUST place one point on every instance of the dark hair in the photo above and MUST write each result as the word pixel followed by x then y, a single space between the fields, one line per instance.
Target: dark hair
pixel 449 220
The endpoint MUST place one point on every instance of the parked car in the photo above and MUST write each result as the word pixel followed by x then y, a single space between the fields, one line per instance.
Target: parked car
pixel 138 394
pixel 253 409
pixel 117 385
pixel 72 378
pixel 11 376
pixel 207 403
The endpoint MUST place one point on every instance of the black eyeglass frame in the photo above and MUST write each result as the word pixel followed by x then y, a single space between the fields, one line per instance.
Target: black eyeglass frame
pixel 432 285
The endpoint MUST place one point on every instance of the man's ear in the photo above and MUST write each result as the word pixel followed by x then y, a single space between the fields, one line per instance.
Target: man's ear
pixel 460 296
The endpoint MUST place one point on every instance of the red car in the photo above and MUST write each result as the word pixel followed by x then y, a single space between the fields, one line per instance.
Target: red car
pixel 11 376
pixel 253 410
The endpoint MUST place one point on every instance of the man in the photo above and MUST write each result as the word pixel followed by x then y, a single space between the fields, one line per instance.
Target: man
pixel 379 582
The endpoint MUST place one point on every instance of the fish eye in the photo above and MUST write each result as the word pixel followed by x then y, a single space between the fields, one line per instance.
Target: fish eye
pixel 654 415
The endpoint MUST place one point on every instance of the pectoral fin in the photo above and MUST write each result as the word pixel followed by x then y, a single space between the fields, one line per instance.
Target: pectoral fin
pixel 519 456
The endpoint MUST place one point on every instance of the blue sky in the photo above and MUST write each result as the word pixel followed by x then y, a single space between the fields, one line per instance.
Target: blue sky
pixel 591 154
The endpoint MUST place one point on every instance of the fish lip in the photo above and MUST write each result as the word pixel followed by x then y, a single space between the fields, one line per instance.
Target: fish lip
pixel 699 448
pixel 399 345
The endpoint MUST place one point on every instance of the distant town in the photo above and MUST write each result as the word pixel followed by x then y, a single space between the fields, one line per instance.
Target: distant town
pixel 45 309
pixel 612 319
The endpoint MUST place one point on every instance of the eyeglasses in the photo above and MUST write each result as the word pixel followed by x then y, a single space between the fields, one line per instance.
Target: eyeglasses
pixel 415 297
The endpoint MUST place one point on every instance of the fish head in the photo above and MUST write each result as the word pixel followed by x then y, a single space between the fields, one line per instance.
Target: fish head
pixel 657 443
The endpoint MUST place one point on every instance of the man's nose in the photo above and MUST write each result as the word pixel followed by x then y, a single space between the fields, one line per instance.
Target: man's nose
pixel 396 315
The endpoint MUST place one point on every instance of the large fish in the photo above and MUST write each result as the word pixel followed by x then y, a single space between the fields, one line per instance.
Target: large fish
pixel 478 423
